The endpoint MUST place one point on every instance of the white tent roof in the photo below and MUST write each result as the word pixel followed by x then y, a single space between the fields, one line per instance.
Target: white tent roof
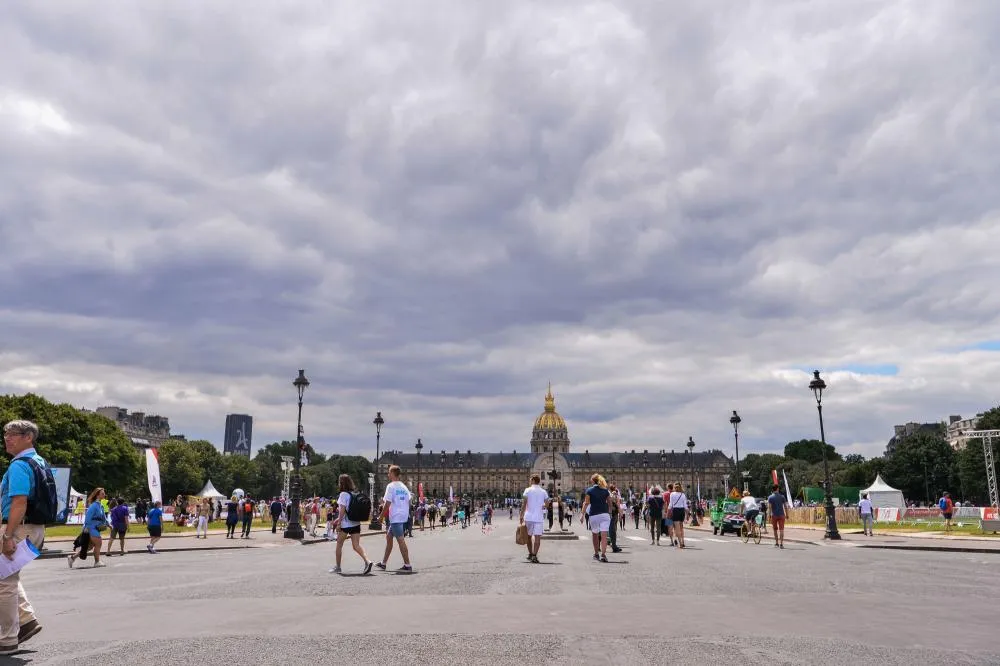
pixel 880 486
pixel 210 491
pixel 74 493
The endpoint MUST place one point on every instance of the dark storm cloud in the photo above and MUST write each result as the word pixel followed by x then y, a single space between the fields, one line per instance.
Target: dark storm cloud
pixel 663 209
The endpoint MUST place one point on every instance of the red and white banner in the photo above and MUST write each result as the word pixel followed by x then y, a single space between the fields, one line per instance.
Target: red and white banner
pixel 153 475
pixel 990 513
pixel 887 514
pixel 774 476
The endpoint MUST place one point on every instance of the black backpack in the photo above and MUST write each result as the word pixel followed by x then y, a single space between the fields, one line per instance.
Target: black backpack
pixel 360 507
pixel 43 504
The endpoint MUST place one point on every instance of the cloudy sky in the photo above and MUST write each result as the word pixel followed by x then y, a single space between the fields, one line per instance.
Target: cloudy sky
pixel 669 210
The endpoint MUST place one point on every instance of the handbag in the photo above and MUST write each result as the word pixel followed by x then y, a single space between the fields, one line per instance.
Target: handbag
pixel 521 535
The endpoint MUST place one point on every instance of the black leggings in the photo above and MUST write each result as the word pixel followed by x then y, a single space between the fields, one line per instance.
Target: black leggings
pixel 655 527
pixel 231 529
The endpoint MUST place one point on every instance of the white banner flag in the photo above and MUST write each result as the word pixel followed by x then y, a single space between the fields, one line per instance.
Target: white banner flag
pixel 451 495
pixel 788 491
pixel 153 475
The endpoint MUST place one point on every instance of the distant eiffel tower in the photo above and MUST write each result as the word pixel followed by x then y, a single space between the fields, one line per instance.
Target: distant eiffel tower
pixel 242 443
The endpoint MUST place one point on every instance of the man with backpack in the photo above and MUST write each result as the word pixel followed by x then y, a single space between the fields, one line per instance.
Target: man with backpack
pixel 28 498
pixel 947 509
pixel 247 517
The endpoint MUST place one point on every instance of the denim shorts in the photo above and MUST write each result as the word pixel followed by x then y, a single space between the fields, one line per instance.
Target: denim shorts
pixel 397 529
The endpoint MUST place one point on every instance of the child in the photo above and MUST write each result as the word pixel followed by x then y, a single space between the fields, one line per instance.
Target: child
pixel 331 515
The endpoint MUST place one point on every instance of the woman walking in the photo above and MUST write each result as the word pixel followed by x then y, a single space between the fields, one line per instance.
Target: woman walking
pixel 119 525
pixel 348 527
pixel 154 526
pixel 201 521
pixel 232 516
pixel 678 506
pixel 595 505
pixel 94 521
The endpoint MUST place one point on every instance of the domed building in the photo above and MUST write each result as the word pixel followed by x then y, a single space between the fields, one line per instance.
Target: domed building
pixel 503 474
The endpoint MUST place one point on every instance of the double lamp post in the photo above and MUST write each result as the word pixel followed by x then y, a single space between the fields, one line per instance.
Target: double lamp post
pixel 294 528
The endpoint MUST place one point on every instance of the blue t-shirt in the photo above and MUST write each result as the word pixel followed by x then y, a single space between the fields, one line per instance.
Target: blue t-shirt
pixel 777 503
pixel 18 480
pixel 95 518
pixel 598 500
pixel 155 517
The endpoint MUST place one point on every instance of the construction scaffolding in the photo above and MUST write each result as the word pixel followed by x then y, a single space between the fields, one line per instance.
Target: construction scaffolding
pixel 991 470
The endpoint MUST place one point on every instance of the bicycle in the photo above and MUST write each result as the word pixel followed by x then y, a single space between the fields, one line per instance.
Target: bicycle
pixel 751 530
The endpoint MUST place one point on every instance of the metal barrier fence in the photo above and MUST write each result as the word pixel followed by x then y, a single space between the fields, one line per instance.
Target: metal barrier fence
pixel 915 516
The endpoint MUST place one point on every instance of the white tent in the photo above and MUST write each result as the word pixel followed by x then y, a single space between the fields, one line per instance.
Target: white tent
pixel 882 494
pixel 74 494
pixel 210 492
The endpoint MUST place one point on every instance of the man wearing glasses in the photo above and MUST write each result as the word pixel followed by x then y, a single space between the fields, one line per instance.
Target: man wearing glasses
pixel 17 617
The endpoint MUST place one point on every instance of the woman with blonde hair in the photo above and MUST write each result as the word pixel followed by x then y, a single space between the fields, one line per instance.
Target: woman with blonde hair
pixel 597 500
pixel 678 508
pixel 94 521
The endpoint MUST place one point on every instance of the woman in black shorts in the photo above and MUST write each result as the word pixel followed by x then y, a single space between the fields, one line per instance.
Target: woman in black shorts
pixel 677 506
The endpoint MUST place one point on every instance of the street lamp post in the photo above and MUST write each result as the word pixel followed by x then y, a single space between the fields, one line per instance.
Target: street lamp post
pixel 818 385
pixel 294 529
pixel 631 475
pixel 461 464
pixel 663 466
pixel 736 420
pixel 694 512
pixel 443 460
pixel 725 485
pixel 645 470
pixel 378 421
pixel 420 446
pixel 746 480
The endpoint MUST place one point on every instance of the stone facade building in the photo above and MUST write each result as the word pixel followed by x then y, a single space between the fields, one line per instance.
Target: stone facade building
pixel 145 430
pixel 506 474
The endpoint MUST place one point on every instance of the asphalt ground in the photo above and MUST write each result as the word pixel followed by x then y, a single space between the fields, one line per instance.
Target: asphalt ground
pixel 474 598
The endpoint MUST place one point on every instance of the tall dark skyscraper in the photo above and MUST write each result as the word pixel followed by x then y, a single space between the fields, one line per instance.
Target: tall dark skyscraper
pixel 239 429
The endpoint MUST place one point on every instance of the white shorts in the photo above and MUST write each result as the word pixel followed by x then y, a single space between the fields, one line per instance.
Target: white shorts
pixel 600 523
pixel 534 529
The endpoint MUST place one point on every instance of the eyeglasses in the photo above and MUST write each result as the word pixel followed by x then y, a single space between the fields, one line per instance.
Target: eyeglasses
pixel 14 433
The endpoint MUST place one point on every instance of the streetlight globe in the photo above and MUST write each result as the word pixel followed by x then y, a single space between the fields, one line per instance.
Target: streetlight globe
pixel 735 419
pixel 690 444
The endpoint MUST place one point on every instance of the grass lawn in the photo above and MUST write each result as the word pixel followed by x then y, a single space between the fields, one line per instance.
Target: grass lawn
pixel 133 530
pixel 968 528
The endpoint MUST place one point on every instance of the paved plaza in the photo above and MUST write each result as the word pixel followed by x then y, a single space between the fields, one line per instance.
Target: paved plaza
pixel 475 599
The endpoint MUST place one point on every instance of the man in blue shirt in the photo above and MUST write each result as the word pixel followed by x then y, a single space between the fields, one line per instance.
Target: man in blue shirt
pixel 776 501
pixel 17 617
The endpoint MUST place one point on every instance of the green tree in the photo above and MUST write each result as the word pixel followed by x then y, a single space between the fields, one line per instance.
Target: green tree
pixel 921 465
pixel 241 472
pixel 180 470
pixel 970 463
pixel 759 465
pixel 98 452
pixel 810 450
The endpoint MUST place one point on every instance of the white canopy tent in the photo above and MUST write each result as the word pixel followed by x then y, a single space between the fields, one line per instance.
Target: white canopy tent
pixel 210 492
pixel 882 494
pixel 74 494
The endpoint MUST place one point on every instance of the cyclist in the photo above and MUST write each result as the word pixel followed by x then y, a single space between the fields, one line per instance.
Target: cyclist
pixel 749 508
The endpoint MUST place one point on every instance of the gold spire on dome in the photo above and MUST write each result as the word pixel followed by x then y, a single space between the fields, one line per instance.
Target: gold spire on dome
pixel 549 420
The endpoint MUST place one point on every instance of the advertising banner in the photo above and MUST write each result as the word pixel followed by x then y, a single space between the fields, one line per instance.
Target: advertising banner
pixel 153 475
pixel 989 513
pixel 887 514
pixel 61 475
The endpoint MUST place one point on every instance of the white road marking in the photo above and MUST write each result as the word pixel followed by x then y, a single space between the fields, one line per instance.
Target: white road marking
pixel 632 538
pixel 719 540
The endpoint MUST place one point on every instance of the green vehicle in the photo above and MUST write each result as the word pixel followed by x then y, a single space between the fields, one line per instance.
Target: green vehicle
pixel 725 517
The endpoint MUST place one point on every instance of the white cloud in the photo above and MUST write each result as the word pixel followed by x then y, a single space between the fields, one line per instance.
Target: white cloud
pixel 669 212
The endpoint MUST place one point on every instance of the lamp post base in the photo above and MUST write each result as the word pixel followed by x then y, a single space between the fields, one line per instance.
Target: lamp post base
pixel 294 531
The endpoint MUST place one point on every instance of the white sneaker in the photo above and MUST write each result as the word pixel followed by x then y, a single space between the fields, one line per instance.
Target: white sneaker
pixel 335 570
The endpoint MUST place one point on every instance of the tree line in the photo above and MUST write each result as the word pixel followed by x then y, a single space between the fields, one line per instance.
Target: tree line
pixel 922 465
pixel 102 455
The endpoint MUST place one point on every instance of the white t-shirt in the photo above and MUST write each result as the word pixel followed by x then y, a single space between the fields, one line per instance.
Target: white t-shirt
pixel 749 504
pixel 534 504
pixel 865 506
pixel 399 495
pixel 678 500
pixel 344 500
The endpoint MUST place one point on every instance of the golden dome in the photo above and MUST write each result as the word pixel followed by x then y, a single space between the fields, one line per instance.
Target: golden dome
pixel 550 419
